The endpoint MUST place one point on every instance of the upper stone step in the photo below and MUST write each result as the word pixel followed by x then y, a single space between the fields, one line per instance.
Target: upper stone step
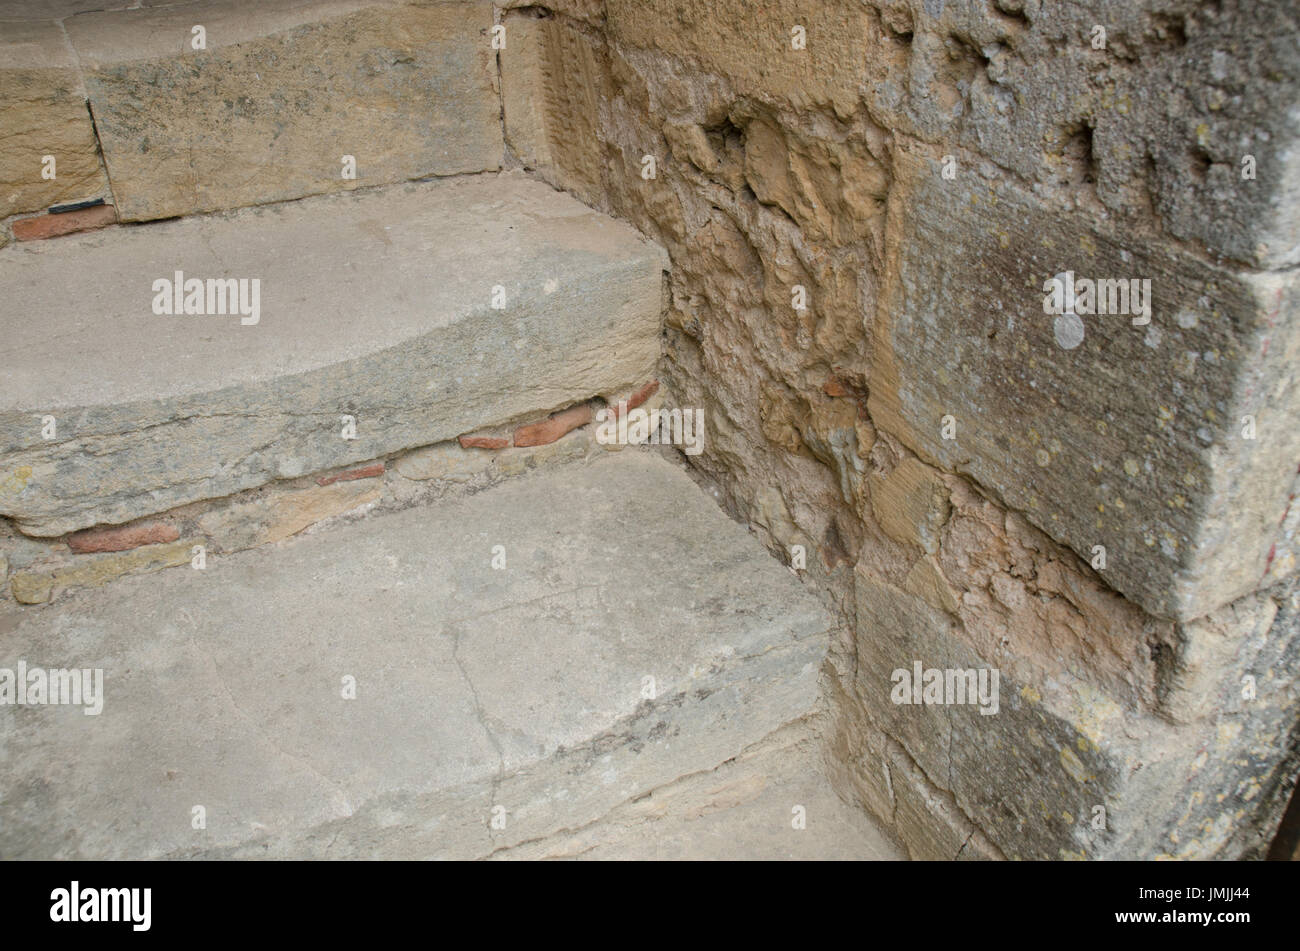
pixel 535 654
pixel 372 322
pixel 219 104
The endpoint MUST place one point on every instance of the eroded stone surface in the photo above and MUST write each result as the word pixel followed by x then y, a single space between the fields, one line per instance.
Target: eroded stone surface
pixel 1134 439
pixel 522 687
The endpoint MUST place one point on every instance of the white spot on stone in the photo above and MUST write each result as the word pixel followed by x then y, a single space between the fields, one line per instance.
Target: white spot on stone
pixel 551 286
pixel 1068 329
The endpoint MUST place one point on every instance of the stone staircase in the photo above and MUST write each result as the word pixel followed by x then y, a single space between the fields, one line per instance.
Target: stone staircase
pixel 316 483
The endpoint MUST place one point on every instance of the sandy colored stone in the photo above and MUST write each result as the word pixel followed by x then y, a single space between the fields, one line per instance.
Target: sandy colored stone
pixel 278 514
pixel 554 80
pixel 690 144
pixel 1030 775
pixel 752 46
pixel 911 504
pixel 37 586
pixel 446 460
pixel 930 821
pixel 43 112
pixel 835 190
pixel 408 91
pixel 1025 599
pixel 927 582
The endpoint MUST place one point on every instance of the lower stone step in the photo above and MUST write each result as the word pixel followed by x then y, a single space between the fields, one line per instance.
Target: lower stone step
pixel 448 681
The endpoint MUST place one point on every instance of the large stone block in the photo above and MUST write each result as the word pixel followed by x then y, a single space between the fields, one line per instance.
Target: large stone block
pixel 553 81
pixel 1146 105
pixel 756 47
pixel 1171 443
pixel 270 108
pixel 43 113
pixel 1034 774
pixel 376 310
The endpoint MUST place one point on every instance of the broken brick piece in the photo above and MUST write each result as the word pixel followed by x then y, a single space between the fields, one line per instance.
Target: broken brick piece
pixel 122 537
pixel 483 442
pixel 636 399
pixel 52 226
pixel 365 472
pixel 553 427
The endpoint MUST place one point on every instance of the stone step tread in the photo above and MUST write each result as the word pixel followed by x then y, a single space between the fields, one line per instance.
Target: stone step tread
pixel 476 686
pixel 376 304
pixel 339 276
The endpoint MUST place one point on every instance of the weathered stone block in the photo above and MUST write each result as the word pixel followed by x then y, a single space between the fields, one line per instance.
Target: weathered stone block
pixel 1180 110
pixel 36 586
pixel 911 504
pixel 269 110
pixel 1172 443
pixel 43 112
pixel 755 46
pixel 1033 775
pixel 554 80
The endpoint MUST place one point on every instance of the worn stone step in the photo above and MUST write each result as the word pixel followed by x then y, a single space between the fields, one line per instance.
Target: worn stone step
pixel 525 687
pixel 218 104
pixel 376 306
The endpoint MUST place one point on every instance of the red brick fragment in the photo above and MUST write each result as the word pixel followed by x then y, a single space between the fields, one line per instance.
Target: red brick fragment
pixel 553 427
pixel 636 399
pixel 365 472
pixel 483 442
pixel 52 226
pixel 122 537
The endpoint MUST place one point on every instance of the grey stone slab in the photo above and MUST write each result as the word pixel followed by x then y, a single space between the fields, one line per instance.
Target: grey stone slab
pixel 375 305
pixel 521 687
pixel 1103 432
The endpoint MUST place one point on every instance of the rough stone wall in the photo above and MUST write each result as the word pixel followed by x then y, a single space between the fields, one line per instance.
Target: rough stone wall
pixel 1080 504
